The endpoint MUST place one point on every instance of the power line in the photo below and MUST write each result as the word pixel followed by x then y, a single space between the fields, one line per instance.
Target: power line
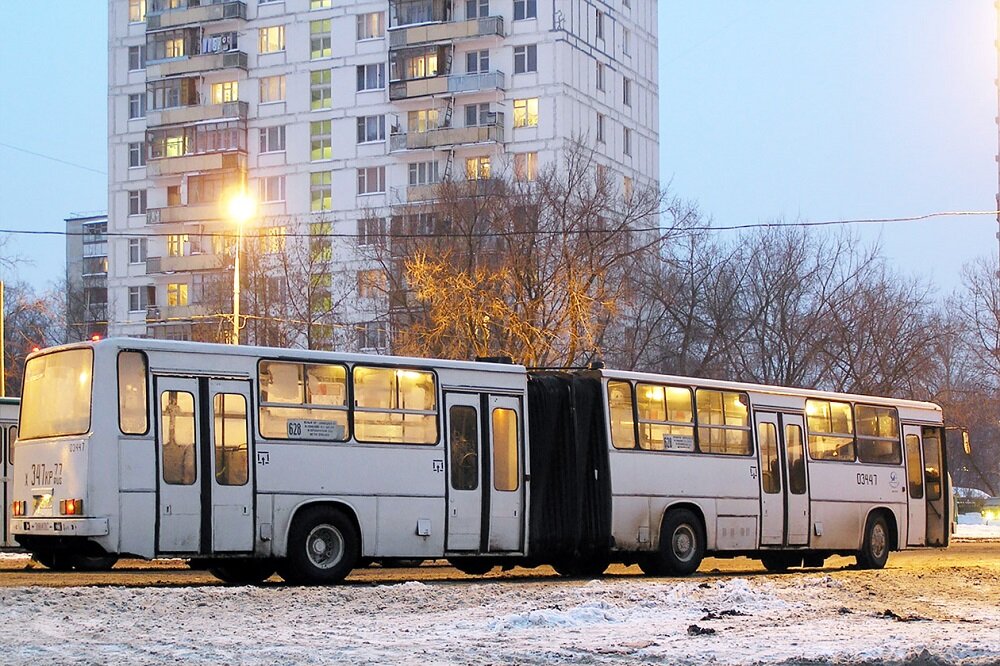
pixel 53 159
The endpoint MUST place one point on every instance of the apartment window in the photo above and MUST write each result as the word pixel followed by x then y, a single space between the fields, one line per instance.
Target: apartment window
pixel 177 294
pixel 136 11
pixel 424 120
pixel 320 4
pixel 273 242
pixel 272 188
pixel 371 335
pixel 137 105
pixel 371 180
pixel 172 92
pixel 599 27
pixel 600 128
pixel 371 129
pixel 272 139
pixel 626 141
pixel 477 168
pixel 272 89
pixel 136 154
pixel 477 8
pixel 136 58
pixel 477 61
pixel 526 166
pixel 319 39
pixel 226 91
pixel 477 115
pixel 526 112
pixel 423 65
pixel 627 92
pixel 600 75
pixel 136 250
pixel 628 186
pixel 525 9
pixel 175 245
pixel 423 173
pixel 371 77
pixel 525 59
pixel 626 41
pixel 173 195
pixel 321 89
pixel 271 39
pixel 371 283
pixel 371 231
pixel 371 26
pixel 320 144
pixel 137 202
pixel 320 191
pixel 138 299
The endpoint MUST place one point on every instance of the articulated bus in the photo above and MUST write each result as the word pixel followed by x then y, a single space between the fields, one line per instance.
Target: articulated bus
pixel 250 460
pixel 8 435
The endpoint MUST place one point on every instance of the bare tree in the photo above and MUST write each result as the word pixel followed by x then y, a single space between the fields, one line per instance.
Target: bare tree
pixel 31 321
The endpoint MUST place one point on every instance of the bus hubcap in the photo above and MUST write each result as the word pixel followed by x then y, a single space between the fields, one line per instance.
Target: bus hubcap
pixel 878 540
pixel 683 543
pixel 325 546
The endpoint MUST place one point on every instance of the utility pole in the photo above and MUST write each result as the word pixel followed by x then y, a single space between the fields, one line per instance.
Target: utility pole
pixel 3 348
pixel 996 45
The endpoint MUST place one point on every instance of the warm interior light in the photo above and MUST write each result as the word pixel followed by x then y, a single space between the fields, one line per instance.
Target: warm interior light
pixel 95 338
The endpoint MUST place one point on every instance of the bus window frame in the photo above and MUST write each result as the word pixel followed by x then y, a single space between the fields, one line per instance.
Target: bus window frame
pixel 148 378
pixel 748 428
pixel 352 407
pixel 346 409
pixel 858 437
pixel 693 424
pixel 633 406
pixel 90 412
pixel 854 433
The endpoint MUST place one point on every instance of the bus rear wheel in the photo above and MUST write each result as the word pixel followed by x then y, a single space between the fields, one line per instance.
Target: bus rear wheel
pixel 93 562
pixel 581 566
pixel 323 547
pixel 682 546
pixel 242 572
pixel 779 562
pixel 874 551
pixel 472 566
pixel 56 560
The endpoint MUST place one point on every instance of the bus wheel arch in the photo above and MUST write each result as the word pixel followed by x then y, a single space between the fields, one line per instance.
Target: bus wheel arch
pixel 880 536
pixel 682 542
pixel 323 544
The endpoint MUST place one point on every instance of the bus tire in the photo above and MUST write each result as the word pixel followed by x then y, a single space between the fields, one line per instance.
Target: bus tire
pixel 581 567
pixel 874 551
pixel 242 572
pixel 56 560
pixel 93 562
pixel 472 566
pixel 682 546
pixel 323 547
pixel 780 562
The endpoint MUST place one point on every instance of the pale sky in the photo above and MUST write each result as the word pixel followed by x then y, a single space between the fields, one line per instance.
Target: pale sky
pixel 793 109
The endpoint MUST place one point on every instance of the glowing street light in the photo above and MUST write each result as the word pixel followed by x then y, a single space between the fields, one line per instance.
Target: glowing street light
pixel 241 208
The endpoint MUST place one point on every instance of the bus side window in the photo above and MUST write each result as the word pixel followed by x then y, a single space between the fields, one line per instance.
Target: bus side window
pixel 932 463
pixel 463 436
pixel 914 474
pixel 767 439
pixel 620 410
pixel 132 406
pixel 178 437
pixel 230 411
pixel 12 438
pixel 796 459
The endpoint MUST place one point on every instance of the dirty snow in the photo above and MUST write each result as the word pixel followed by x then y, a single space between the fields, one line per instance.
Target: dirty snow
pixel 973 526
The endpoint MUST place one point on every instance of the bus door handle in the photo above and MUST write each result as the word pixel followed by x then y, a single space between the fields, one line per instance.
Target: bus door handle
pixel 166 509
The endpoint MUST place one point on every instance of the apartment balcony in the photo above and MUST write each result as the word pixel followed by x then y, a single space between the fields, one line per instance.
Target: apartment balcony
pixel 193 114
pixel 491 26
pixel 184 264
pixel 201 12
pixel 206 62
pixel 159 313
pixel 167 166
pixel 189 213
pixel 453 84
pixel 446 137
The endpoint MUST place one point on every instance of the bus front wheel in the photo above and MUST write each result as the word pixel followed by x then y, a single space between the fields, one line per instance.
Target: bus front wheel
pixel 874 551
pixel 323 547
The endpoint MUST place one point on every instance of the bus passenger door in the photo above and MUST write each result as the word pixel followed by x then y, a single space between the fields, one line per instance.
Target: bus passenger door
pixel 179 524
pixel 5 485
pixel 916 523
pixel 796 481
pixel 464 450
pixel 506 490
pixel 231 504
pixel 772 506
pixel 936 487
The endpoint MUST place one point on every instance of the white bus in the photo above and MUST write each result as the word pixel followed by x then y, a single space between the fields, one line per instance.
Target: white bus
pixel 254 460
pixel 8 435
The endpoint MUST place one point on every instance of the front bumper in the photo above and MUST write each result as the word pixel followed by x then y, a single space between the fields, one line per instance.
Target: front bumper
pixel 85 527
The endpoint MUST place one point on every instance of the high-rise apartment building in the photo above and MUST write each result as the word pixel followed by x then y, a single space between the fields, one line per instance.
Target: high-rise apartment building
pixel 86 276
pixel 331 113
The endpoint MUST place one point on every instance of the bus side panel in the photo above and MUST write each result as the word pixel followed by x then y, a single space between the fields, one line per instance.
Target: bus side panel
pixel 842 496
pixel 402 523
pixel 138 525
pixel 363 508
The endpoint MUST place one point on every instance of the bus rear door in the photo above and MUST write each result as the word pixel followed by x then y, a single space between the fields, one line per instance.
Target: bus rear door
pixel 916 524
pixel 784 488
pixel 205 484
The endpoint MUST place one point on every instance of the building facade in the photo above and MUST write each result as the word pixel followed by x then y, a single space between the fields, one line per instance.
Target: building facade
pixel 331 114
pixel 86 276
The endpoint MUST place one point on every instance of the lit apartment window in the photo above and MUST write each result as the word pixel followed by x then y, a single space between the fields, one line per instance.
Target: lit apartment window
pixel 525 59
pixel 423 173
pixel 137 106
pixel 420 66
pixel 371 129
pixel 371 283
pixel 526 112
pixel 272 89
pixel 525 9
pixel 600 75
pixel 424 120
pixel 137 202
pixel 371 231
pixel 136 154
pixel 526 166
pixel 273 240
pixel 371 77
pixel 271 39
pixel 477 115
pixel 175 244
pixel 136 58
pixel 138 299
pixel 477 8
pixel 599 27
pixel 626 41
pixel 226 91
pixel 320 191
pixel 136 11
pixel 320 4
pixel 477 168
pixel 371 180
pixel 628 186
pixel 177 294
pixel 272 139
pixel 627 92
pixel 136 250
pixel 477 61
pixel 371 25
pixel 272 188
pixel 319 39
pixel 600 128
pixel 173 47
pixel 321 89
pixel 626 141
pixel 320 144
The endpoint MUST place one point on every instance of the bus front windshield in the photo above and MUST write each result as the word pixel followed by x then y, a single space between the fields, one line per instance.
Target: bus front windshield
pixel 57 394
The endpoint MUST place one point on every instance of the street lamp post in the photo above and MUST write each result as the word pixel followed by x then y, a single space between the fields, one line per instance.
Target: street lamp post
pixel 241 209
